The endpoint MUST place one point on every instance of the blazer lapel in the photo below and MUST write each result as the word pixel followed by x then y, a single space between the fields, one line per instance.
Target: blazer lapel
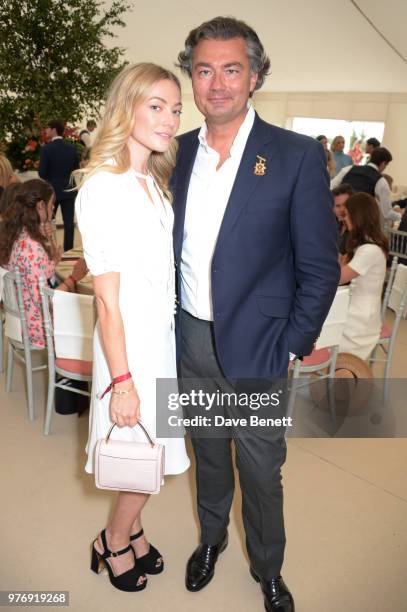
pixel 246 180
pixel 184 168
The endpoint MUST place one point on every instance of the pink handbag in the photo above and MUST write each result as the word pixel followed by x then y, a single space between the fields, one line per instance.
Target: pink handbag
pixel 129 466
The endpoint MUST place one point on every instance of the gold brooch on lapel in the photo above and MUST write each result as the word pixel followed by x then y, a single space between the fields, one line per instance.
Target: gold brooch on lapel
pixel 260 166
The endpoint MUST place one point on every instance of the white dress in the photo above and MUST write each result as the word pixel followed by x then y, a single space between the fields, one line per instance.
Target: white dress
pixel 363 324
pixel 124 231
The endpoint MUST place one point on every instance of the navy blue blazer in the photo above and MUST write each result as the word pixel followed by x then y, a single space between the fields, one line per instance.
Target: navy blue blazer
pixel 275 266
pixel 58 160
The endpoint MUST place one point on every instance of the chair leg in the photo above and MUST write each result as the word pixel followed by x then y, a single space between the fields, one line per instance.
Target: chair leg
pixel 50 407
pixel 373 355
pixel 10 366
pixel 387 375
pixel 30 394
pixel 331 398
pixel 291 397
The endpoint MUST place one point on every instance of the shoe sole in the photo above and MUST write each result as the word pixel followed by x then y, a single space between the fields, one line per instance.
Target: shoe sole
pixel 195 590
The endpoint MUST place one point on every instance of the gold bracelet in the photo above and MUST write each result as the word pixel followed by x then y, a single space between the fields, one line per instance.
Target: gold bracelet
pixel 122 391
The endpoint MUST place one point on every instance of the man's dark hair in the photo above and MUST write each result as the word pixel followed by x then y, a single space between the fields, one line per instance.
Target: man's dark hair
pixel 380 155
pixel 321 137
pixel 225 28
pixel 373 141
pixel 342 189
pixel 91 123
pixel 56 125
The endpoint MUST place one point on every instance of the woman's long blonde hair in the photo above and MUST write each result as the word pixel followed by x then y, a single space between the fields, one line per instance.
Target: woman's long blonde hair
pixel 127 91
pixel 6 171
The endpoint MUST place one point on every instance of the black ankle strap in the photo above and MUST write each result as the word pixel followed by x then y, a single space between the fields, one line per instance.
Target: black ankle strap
pixel 109 553
pixel 117 553
pixel 137 535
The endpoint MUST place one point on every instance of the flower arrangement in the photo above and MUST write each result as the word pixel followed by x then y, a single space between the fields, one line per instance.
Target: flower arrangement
pixel 24 151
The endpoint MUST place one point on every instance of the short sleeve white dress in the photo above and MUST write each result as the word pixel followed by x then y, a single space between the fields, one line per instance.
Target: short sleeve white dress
pixel 125 231
pixel 363 324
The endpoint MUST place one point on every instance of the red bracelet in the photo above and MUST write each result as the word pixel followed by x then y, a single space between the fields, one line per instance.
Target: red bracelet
pixel 115 380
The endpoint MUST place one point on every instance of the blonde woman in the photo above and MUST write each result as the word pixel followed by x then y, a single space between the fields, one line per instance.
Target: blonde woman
pixel 125 218
pixel 341 159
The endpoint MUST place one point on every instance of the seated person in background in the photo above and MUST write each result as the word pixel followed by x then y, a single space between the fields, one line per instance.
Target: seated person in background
pixel 366 253
pixel 330 164
pixel 7 175
pixel 340 195
pixel 399 205
pixel 403 224
pixel 340 158
pixel 26 242
pixel 369 179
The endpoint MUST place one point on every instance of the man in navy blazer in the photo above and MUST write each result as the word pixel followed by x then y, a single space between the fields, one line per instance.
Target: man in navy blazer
pixel 256 254
pixel 58 160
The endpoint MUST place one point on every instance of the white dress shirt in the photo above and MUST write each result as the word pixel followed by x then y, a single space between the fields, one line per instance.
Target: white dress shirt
pixel 381 191
pixel 208 195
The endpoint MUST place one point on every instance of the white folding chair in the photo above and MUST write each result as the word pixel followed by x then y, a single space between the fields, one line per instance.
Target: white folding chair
pixel 397 302
pixel 69 341
pixel 323 357
pixel 389 285
pixel 397 243
pixel 16 332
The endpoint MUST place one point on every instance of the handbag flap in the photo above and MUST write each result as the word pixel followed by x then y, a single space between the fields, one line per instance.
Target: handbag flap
pixel 130 450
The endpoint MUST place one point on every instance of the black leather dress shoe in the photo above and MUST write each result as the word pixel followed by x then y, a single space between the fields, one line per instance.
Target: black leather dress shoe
pixel 201 565
pixel 277 598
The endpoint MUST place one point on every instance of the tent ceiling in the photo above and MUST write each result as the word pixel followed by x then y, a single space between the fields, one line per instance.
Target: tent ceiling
pixel 318 45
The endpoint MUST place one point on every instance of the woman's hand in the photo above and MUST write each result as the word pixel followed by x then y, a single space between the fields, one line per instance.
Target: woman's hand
pixel 47 230
pixel 80 270
pixel 125 408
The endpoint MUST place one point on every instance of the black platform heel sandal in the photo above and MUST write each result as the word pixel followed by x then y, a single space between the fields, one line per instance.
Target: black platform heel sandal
pixel 124 582
pixel 152 562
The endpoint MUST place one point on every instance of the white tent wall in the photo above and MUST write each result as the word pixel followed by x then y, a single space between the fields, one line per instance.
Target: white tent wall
pixel 329 59
pixel 395 139
pixel 280 107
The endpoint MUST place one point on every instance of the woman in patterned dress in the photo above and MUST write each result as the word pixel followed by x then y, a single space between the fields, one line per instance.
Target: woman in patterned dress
pixel 26 243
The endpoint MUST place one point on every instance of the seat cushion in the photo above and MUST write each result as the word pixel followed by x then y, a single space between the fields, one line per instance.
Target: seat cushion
pixel 76 366
pixel 385 332
pixel 317 356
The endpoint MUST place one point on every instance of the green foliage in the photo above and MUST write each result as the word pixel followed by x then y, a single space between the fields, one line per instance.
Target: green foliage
pixel 53 60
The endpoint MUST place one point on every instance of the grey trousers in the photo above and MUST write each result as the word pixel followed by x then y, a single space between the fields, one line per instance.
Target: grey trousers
pixel 259 458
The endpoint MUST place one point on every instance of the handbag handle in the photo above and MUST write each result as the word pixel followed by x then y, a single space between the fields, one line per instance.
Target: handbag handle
pixel 142 427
